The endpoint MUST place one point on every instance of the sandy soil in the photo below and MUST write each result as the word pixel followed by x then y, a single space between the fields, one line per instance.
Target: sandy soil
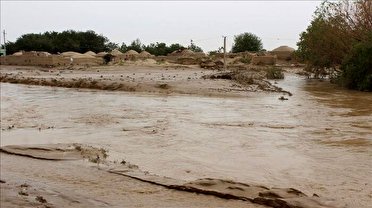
pixel 165 79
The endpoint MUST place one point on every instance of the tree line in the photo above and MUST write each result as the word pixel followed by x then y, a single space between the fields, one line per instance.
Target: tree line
pixel 338 42
pixel 78 41
pixel 54 42
pixel 157 49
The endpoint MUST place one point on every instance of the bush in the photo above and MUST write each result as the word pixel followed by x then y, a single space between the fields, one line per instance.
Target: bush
pixel 245 60
pixel 357 68
pixel 274 73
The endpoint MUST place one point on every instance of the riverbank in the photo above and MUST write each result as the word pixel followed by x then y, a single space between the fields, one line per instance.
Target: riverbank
pixel 177 79
pixel 317 141
pixel 56 177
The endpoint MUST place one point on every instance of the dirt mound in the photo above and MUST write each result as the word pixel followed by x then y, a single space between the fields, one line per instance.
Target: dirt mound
pixel 19 53
pixel 70 54
pixel 43 53
pixel 145 54
pixel 184 52
pixel 90 53
pixel 101 54
pixel 116 52
pixel 283 49
pixel 187 52
pixel 149 61
pixel 131 52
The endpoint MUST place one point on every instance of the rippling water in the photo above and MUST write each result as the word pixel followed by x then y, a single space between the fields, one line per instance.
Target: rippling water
pixel 318 141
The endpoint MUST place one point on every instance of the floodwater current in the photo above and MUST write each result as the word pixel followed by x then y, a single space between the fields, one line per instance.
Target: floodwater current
pixel 318 141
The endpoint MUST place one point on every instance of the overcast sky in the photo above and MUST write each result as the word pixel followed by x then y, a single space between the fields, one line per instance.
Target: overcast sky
pixel 276 22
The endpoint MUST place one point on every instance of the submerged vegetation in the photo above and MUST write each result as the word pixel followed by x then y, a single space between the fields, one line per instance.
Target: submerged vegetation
pixel 338 43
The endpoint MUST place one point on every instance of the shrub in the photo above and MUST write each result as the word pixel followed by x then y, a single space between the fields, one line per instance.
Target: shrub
pixel 245 60
pixel 274 73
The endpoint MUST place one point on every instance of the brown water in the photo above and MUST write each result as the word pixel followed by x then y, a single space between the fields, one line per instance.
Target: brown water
pixel 318 141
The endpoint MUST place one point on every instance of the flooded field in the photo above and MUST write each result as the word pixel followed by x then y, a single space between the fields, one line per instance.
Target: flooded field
pixel 318 141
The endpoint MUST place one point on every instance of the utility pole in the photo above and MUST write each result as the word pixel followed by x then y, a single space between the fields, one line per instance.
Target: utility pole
pixel 224 53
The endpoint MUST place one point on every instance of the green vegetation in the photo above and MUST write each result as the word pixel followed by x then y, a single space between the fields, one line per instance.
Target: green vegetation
pixel 55 42
pixel 246 42
pixel 70 40
pixel 161 49
pixel 337 43
pixel 157 49
pixel 356 71
pixel 194 48
pixel 135 45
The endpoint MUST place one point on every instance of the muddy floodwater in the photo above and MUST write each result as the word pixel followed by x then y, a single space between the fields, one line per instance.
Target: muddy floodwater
pixel 317 141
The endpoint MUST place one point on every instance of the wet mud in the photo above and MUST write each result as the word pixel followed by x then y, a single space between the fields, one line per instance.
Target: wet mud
pixel 226 189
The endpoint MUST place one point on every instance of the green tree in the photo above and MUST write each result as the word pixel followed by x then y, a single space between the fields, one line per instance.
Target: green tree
pixel 175 47
pixel 136 45
pixel 322 46
pixel 54 42
pixel 161 49
pixel 338 40
pixel 246 42
pixel 356 70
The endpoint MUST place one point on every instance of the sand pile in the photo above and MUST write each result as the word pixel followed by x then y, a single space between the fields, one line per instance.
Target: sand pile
pixel 116 52
pixel 149 61
pixel 283 53
pixel 131 52
pixel 184 52
pixel 70 54
pixel 101 54
pixel 19 53
pixel 43 53
pixel 90 53
pixel 145 54
pixel 283 49
pixel 187 52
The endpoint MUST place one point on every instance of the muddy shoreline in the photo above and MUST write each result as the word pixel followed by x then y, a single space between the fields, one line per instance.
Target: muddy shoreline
pixel 224 189
pixel 149 79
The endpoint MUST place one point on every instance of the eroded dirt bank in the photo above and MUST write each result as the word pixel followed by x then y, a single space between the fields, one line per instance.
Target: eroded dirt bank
pixel 235 192
pixel 153 79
